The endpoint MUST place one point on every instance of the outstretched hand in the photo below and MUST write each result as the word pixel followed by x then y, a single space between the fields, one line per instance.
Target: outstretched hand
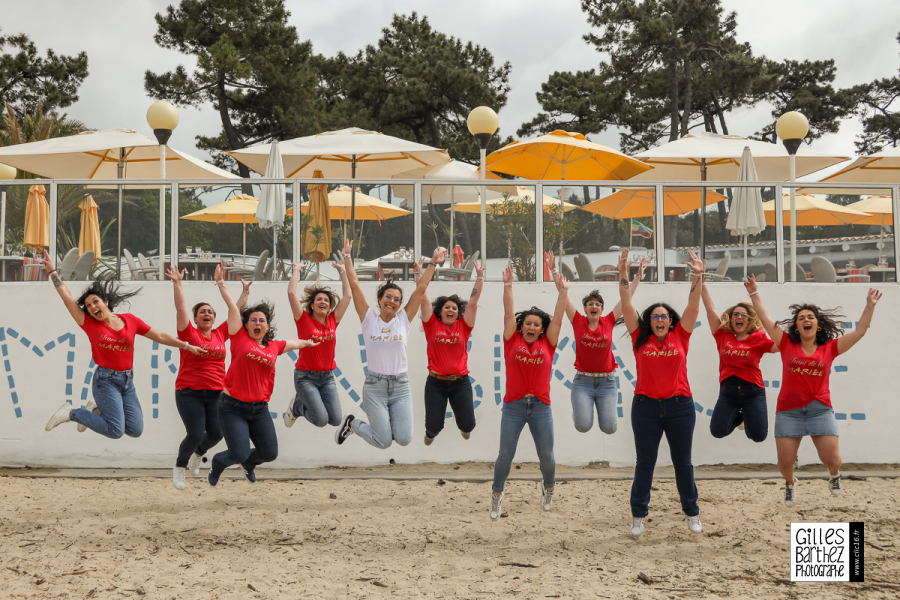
pixel 750 285
pixel 219 275
pixel 873 296
pixel 479 270
pixel 623 266
pixel 508 275
pixel 695 264
pixel 348 248
pixel 196 350
pixel 174 274
pixel 47 263
pixel 439 256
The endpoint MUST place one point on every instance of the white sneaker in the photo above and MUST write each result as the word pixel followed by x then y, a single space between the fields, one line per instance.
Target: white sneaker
pixel 790 493
pixel 694 524
pixel 62 415
pixel 637 526
pixel 91 406
pixel 496 505
pixel 178 481
pixel 834 484
pixel 194 464
pixel 288 416
pixel 546 498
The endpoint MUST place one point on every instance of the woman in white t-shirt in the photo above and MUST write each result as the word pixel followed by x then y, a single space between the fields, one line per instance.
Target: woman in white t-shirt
pixel 386 399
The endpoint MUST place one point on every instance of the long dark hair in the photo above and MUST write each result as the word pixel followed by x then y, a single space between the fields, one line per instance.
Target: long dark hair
pixel 107 289
pixel 438 305
pixel 265 308
pixel 534 310
pixel 828 323
pixel 644 329
pixel 313 291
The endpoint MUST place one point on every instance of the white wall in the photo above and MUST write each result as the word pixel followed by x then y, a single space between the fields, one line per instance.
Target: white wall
pixel 36 378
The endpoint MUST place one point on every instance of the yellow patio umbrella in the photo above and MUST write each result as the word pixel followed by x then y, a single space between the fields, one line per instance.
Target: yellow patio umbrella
pixel 89 236
pixel 497 206
pixel 812 210
pixel 641 202
pixel 237 209
pixel 368 208
pixel 563 155
pixel 37 219
pixel 879 208
pixel 317 238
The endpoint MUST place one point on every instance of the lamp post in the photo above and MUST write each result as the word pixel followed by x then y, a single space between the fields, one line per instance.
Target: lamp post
pixel 6 172
pixel 482 123
pixel 162 118
pixel 791 128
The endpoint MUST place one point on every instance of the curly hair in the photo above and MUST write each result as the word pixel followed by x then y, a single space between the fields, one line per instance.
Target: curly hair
pixel 196 308
pixel 827 318
pixel 265 308
pixel 438 305
pixel 388 285
pixel 534 310
pixel 107 289
pixel 645 332
pixel 312 291
pixel 753 324
pixel 593 295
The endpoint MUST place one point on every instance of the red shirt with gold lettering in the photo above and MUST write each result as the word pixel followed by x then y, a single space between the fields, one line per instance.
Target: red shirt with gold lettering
pixel 528 368
pixel 447 353
pixel 662 366
pixel 804 377
pixel 593 347
pixel 207 371
pixel 110 348
pixel 321 357
pixel 740 358
pixel 251 374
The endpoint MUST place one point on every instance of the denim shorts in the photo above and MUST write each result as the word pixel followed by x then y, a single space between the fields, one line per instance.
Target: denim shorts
pixel 816 418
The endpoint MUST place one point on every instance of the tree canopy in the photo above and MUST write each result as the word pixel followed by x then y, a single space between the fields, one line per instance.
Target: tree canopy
pixel 880 119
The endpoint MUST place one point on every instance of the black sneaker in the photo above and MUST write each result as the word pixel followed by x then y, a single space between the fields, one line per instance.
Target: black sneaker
pixel 790 493
pixel 344 431
pixel 834 484
pixel 249 473
pixel 212 477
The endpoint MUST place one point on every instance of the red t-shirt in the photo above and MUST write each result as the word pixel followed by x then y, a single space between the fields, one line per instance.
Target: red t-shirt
pixel 447 353
pixel 205 372
pixel 593 347
pixel 110 348
pixel 662 366
pixel 251 374
pixel 528 368
pixel 321 357
pixel 741 357
pixel 804 378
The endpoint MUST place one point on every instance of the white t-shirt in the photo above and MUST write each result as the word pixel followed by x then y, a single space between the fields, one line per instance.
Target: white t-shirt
pixel 386 342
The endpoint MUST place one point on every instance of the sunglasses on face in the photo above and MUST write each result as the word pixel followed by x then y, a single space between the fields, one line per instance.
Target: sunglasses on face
pixel 261 321
pixel 659 317
pixel 740 315
pixel 390 298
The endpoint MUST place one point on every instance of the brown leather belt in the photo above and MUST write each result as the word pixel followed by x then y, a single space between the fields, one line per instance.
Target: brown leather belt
pixel 445 377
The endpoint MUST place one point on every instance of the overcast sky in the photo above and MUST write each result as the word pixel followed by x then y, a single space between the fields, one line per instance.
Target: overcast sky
pixel 536 37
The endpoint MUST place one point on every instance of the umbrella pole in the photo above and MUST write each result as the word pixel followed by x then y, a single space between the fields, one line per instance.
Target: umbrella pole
pixel 3 225
pixel 244 247
pixel 745 256
pixel 353 200
pixel 452 215
pixel 703 211
pixel 120 174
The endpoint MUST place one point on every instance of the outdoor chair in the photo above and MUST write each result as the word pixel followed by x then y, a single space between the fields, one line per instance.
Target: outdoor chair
pixel 721 270
pixel 566 271
pixel 583 267
pixel 463 273
pixel 254 274
pixel 138 272
pixel 66 266
pixel 823 270
pixel 82 269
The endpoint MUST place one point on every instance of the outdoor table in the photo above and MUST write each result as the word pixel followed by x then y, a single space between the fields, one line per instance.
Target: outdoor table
pixel 200 267
pixel 10 268
pixel 880 274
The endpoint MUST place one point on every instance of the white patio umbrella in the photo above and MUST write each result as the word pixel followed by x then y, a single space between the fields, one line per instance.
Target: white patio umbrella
pixel 270 211
pixel 746 215
pixel 346 153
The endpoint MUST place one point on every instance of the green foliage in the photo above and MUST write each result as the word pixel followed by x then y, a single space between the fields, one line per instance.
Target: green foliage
pixel 880 119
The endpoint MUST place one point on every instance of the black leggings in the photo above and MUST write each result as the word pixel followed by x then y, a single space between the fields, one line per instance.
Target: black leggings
pixel 243 423
pixel 456 391
pixel 199 410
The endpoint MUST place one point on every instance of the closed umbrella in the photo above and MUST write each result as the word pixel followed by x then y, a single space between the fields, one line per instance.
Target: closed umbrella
pixel 236 209
pixel 89 236
pixel 635 203
pixel 270 211
pixel 746 215
pixel 37 220
pixel 317 237
pixel 812 210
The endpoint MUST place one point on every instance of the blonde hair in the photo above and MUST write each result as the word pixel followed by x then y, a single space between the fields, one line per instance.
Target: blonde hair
pixel 755 323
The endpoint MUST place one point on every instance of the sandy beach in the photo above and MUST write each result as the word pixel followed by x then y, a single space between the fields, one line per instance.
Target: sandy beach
pixel 127 536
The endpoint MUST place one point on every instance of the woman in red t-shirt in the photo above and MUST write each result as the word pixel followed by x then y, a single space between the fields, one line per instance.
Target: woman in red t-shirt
pixel 248 386
pixel 595 386
pixel 448 323
pixel 741 342
pixel 114 409
pixel 317 317
pixel 809 342
pixel 200 378
pixel 529 343
pixel 663 403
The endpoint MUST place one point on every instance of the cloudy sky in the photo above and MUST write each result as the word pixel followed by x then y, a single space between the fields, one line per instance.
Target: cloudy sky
pixel 536 37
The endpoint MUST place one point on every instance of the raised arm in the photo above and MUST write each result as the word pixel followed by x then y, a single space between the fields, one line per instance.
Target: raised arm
pixel 298 344
pixel 169 340
pixel 550 261
pixel 692 310
pixel 509 311
pixel 346 292
pixel 425 308
pixel 712 316
pixel 775 332
pixel 182 314
pixel 628 312
pixel 63 290
pixel 472 305
pixel 359 301
pixel 245 293
pixel 847 341
pixel 234 313
pixel 562 299
pixel 293 300
pixel 415 299
pixel 617 309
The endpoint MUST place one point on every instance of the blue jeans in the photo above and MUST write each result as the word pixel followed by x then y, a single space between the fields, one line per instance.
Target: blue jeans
pixel 650 418
pixel 120 410
pixel 590 394
pixel 740 400
pixel 243 423
pixel 199 411
pixel 539 418
pixel 388 406
pixel 316 398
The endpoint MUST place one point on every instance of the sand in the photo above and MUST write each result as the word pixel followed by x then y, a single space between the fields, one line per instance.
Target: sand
pixel 65 537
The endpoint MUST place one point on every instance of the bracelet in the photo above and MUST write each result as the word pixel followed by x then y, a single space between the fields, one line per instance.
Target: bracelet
pixel 753 293
pixel 186 344
pixel 51 271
